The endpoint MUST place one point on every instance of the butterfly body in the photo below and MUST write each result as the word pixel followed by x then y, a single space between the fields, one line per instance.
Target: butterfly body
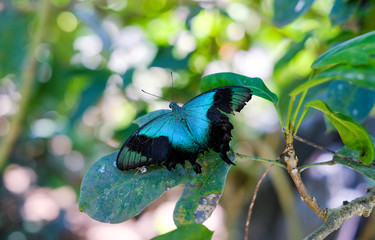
pixel 184 132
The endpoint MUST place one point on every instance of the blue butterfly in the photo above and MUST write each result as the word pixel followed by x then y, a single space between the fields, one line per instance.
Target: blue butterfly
pixel 182 133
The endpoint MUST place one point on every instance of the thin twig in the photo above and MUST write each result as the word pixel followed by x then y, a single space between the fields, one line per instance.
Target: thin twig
pixel 275 162
pixel 253 201
pixel 323 148
pixel 304 167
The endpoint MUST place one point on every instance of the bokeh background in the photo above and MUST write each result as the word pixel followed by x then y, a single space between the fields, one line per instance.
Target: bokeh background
pixel 71 77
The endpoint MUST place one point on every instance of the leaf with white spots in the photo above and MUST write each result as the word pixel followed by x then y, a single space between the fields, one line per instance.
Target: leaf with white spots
pixel 353 135
pixel 361 76
pixel 351 100
pixel 200 196
pixel 113 196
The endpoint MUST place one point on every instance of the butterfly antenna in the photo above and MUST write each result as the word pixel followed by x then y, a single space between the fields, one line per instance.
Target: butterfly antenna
pixel 154 95
pixel 172 85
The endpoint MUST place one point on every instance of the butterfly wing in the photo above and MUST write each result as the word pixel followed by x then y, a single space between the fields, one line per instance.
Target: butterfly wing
pixel 162 141
pixel 212 128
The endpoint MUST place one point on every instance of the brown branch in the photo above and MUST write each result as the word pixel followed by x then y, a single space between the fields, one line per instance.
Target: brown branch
pixel 291 162
pixel 253 201
pixel 336 217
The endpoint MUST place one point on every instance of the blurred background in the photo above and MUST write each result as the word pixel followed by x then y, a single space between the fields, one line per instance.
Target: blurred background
pixel 71 76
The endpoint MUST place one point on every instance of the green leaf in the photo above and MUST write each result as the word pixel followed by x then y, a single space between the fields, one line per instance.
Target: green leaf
pixel 307 85
pixel 165 59
pixel 354 61
pixel 366 170
pixel 97 81
pixel 292 52
pixel 127 77
pixel 351 100
pixel 188 232
pixel 256 85
pixel 361 76
pixel 200 196
pixel 13 45
pixel 353 135
pixel 341 11
pixel 149 116
pixel 111 195
pixel 286 11
pixel 356 51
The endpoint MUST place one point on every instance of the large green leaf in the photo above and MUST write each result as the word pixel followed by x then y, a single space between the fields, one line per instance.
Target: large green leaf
pixel 356 51
pixel 286 11
pixel 354 61
pixel 349 99
pixel 256 85
pixel 200 196
pixel 353 135
pixel 341 96
pixel 361 76
pixel 111 195
pixel 366 170
pixel 187 232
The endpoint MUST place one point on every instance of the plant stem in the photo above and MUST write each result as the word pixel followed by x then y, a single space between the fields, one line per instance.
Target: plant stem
pixel 27 78
pixel 280 118
pixel 295 115
pixel 304 167
pixel 290 108
pixel 323 148
pixel 297 109
pixel 300 120
pixel 275 162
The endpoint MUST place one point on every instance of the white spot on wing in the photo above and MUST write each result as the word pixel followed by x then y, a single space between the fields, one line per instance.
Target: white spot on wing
pixel 102 169
pixel 299 5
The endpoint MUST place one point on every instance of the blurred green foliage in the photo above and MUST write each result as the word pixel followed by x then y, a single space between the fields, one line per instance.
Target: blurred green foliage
pixel 93 57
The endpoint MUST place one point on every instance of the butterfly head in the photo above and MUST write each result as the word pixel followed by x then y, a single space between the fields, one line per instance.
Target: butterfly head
pixel 173 105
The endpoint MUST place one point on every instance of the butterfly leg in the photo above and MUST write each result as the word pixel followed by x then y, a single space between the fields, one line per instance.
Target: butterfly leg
pixel 170 165
pixel 225 158
pixel 196 166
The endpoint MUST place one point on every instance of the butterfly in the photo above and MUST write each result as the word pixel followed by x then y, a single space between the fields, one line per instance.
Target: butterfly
pixel 182 133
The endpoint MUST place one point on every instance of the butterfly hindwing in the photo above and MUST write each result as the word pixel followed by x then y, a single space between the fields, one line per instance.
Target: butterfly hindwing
pixel 184 132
